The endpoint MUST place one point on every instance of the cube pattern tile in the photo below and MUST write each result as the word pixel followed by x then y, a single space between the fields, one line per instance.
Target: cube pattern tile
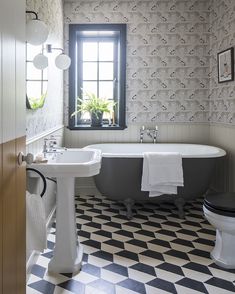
pixel 155 252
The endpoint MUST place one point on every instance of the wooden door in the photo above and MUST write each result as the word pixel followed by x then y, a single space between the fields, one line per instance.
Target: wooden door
pixel 12 141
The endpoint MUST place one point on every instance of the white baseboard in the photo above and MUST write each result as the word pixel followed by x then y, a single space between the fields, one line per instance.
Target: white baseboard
pixel 85 186
pixel 86 191
pixel 35 254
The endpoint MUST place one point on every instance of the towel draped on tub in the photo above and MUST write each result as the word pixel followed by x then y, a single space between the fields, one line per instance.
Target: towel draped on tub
pixel 162 173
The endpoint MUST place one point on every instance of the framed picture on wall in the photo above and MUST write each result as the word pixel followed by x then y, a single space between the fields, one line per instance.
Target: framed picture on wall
pixel 225 61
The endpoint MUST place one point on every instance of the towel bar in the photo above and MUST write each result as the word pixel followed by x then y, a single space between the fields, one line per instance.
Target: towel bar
pixel 42 177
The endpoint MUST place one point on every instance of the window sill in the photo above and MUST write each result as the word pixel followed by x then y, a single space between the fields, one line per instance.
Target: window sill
pixel 102 128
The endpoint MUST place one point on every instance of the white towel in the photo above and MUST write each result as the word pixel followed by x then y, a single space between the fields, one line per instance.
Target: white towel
pixel 36 232
pixel 162 173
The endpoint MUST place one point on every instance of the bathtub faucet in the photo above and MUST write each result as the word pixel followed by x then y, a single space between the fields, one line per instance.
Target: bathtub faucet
pixel 152 133
pixel 142 134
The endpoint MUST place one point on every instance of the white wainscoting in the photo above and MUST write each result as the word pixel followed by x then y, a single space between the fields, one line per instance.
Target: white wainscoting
pixel 184 133
pixel 224 136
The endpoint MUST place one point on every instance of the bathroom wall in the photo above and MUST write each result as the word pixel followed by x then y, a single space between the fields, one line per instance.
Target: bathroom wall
pixel 167 64
pixel 222 96
pixel 48 120
pixel 171 72
pixel 50 117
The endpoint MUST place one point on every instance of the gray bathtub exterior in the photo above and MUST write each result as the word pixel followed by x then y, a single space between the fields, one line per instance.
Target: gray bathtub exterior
pixel 120 179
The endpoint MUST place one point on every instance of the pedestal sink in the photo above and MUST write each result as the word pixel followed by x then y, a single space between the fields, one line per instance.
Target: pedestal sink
pixel 65 167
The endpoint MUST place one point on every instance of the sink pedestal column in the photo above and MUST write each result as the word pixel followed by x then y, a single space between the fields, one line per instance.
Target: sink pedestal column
pixel 67 257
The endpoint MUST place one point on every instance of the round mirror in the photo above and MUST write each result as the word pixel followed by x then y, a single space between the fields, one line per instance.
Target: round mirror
pixel 36 79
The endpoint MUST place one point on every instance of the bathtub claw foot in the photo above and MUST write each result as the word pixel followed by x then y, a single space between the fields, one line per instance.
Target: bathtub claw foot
pixel 129 203
pixel 179 203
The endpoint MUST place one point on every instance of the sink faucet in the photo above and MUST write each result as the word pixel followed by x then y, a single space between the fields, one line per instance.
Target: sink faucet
pixel 152 133
pixel 51 147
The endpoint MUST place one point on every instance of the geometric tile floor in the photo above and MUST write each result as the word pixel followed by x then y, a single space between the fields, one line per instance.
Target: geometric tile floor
pixel 154 253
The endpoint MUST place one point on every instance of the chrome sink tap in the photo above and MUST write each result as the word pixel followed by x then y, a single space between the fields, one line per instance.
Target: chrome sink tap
pixel 51 145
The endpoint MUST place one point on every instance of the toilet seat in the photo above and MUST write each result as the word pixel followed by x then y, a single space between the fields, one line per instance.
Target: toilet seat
pixel 221 203
pixel 219 210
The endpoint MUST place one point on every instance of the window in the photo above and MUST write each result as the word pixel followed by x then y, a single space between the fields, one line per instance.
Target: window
pixel 98 55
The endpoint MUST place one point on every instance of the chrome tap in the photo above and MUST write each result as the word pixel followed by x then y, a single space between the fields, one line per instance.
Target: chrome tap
pixel 152 133
pixel 52 147
pixel 155 133
pixel 142 134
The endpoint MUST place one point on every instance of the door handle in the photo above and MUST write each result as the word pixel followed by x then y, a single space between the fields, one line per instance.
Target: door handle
pixel 22 158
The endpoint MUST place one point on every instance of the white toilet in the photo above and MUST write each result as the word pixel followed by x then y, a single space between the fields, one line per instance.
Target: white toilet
pixel 219 209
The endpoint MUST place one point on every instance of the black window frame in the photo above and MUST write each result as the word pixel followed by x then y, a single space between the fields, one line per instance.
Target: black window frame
pixel 75 81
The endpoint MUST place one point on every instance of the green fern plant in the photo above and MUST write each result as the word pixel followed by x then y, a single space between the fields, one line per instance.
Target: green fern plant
pixel 93 105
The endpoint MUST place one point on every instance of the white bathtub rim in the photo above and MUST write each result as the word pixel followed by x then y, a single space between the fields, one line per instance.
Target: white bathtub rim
pixel 210 151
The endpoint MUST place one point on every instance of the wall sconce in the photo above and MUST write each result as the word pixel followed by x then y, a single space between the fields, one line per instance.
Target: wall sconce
pixel 36 30
pixel 62 61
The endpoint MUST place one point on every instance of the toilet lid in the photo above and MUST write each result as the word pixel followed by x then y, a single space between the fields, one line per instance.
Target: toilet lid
pixel 221 201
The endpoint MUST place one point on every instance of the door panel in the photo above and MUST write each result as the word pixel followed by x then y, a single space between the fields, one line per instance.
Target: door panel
pixel 12 141
pixel 20 219
pixel 13 218
pixel 8 88
pixel 9 218
pixel 20 92
pixel 1 219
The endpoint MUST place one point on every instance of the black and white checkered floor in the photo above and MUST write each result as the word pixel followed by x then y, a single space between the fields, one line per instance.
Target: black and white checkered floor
pixel 154 253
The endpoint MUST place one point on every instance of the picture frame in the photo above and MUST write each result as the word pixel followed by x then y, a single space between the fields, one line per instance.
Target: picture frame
pixel 225 61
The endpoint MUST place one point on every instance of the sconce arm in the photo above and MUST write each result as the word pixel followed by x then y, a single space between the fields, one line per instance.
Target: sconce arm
pixel 32 12
pixel 49 48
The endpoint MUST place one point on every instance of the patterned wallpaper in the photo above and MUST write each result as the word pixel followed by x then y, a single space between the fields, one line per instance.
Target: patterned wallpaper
pixel 167 55
pixel 171 58
pixel 51 115
pixel 222 27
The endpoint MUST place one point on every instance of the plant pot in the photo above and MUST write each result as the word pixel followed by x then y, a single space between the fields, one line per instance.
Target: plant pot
pixel 96 119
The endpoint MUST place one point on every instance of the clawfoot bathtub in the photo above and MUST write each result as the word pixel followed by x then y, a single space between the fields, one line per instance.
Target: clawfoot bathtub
pixel 121 172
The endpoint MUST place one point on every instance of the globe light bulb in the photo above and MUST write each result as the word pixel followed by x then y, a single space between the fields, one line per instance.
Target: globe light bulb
pixel 36 32
pixel 40 61
pixel 63 61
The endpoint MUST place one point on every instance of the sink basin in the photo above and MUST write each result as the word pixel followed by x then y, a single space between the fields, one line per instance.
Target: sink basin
pixel 71 163
pixel 65 166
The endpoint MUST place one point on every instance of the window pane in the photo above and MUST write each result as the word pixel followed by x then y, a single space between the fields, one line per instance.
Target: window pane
pixel 85 116
pixel 34 90
pixel 45 74
pixel 89 71
pixel 90 50
pixel 106 51
pixel 106 71
pixel 32 72
pixel 44 87
pixel 32 51
pixel 90 87
pixel 106 90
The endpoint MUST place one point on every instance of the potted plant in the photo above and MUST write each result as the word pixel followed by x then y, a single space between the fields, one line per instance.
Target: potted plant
pixel 95 106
